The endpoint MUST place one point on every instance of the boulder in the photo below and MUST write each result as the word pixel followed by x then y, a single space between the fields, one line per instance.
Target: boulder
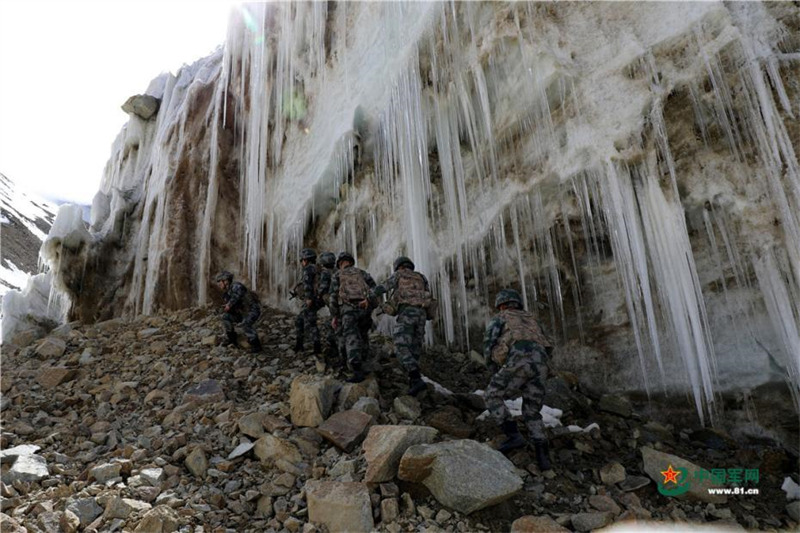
pixel 207 391
pixel 794 510
pixel 11 454
pixel 339 506
pixel 29 467
pixel 69 522
pixel 604 503
pixel 390 510
pixel 464 475
pixel 311 399
pixel 385 445
pixel 656 462
pixel 142 105
pixel 51 347
pixel 537 524
pixel 345 429
pixel 53 376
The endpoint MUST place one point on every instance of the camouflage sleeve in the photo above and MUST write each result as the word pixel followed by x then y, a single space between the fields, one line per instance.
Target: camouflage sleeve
pixel 324 283
pixel 333 301
pixel 370 282
pixel 372 296
pixel 387 286
pixel 493 331
pixel 237 294
pixel 427 285
pixel 309 272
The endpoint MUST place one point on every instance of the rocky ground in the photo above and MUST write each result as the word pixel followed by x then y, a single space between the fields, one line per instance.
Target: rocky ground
pixel 150 425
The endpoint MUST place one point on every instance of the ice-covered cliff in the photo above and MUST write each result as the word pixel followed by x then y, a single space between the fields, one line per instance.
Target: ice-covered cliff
pixel 630 167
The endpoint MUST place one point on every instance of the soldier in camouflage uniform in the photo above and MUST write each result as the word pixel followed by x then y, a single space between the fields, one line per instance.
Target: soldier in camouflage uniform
pixel 307 290
pixel 241 306
pixel 409 299
pixel 515 341
pixel 327 261
pixel 351 304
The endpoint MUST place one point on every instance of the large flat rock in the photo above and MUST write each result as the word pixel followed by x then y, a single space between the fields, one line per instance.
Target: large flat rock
pixel 340 506
pixel 385 445
pixel 656 462
pixel 311 399
pixel 464 475
pixel 345 429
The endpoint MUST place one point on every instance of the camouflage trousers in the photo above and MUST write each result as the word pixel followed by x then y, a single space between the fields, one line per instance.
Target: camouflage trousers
pixel 353 332
pixel 306 321
pixel 231 318
pixel 409 336
pixel 523 374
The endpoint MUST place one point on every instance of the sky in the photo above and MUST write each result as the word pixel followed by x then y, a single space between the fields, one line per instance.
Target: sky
pixel 66 68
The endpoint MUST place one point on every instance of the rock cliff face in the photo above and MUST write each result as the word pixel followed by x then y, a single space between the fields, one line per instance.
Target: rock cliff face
pixel 631 168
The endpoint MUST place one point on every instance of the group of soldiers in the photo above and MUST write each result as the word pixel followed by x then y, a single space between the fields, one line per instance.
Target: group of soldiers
pixel 514 342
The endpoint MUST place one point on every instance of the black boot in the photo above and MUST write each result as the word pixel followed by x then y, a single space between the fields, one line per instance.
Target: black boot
pixel 515 439
pixel 298 345
pixel 542 450
pixel 416 385
pixel 255 345
pixel 358 374
pixel 231 339
pixel 317 348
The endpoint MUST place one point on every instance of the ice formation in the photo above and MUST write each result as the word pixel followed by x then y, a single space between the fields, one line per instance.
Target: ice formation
pixel 630 167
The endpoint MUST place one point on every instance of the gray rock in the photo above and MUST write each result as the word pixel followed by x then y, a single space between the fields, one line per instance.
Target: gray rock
pixel 390 510
pixel 124 507
pixel 207 391
pixel 632 483
pixel 794 510
pixel 104 472
pixel 152 476
pixel 464 475
pixel 339 506
pixel 27 468
pixel 197 463
pixel 11 454
pixel 86 509
pixel 656 462
pixel 243 447
pixel 612 473
pixel 53 376
pixel 51 347
pixel 591 521
pixel 251 425
pixel 142 105
pixel 407 407
pixel 615 404
pixel 371 406
pixel 604 503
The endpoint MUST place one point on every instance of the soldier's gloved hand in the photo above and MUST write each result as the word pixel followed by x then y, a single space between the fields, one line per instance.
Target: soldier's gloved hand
pixel 335 323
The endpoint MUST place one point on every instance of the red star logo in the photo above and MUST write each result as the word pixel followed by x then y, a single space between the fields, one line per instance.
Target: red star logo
pixel 670 475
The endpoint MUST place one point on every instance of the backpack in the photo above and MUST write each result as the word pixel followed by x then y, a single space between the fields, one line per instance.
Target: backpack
pixel 352 286
pixel 299 290
pixel 411 291
pixel 520 326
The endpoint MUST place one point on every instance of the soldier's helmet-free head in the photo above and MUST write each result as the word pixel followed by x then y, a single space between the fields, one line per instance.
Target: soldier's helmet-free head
pixel 345 256
pixel 327 259
pixel 224 276
pixel 403 261
pixel 508 296
pixel 308 254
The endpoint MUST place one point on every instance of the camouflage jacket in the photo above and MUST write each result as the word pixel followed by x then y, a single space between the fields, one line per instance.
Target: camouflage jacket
pixel 325 278
pixel 238 297
pixel 308 283
pixel 391 284
pixel 495 330
pixel 334 304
